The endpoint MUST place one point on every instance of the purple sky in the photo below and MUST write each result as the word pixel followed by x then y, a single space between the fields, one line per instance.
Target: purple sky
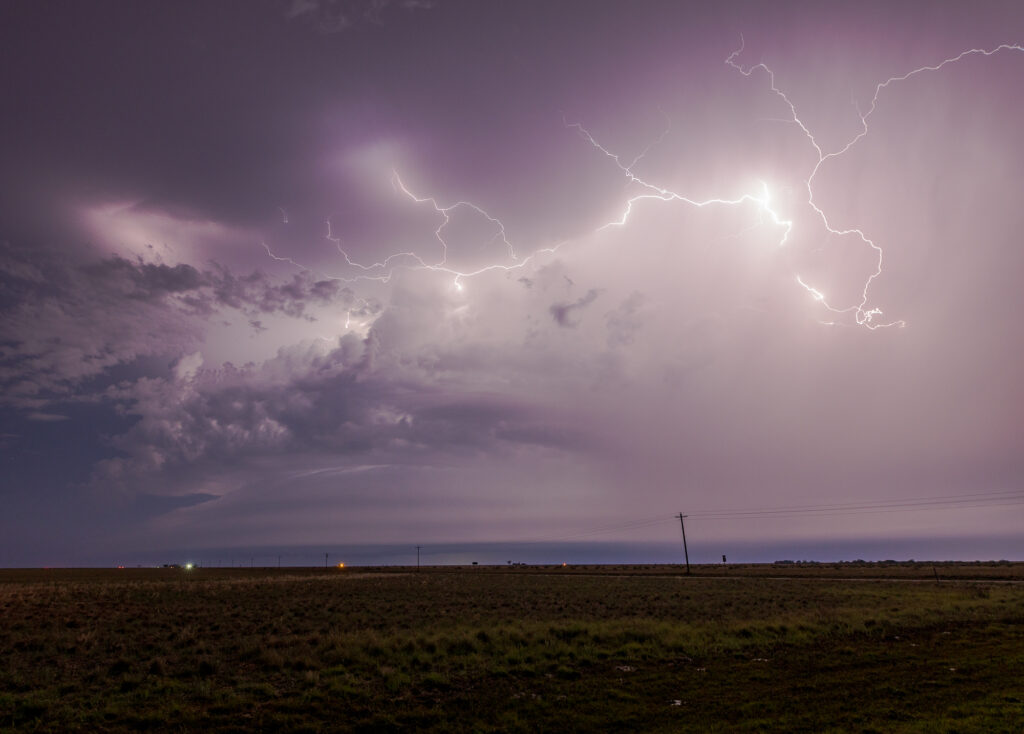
pixel 243 305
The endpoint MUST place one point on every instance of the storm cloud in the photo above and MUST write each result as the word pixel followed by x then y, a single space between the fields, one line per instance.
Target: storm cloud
pixel 270 271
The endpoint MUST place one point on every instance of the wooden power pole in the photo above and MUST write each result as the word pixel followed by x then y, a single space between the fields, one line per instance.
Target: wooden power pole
pixel 686 553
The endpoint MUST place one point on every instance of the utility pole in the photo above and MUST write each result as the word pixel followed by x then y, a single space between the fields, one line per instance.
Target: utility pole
pixel 417 558
pixel 325 559
pixel 685 552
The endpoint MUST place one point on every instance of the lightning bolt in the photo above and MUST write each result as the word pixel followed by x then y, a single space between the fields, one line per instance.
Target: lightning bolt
pixel 861 313
pixel 663 194
pixel 383 270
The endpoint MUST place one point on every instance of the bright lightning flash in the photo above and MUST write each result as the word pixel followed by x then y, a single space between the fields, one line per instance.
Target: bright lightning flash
pixel 862 314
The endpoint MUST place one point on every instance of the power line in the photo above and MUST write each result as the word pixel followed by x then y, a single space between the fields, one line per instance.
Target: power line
pixel 962 497
pixel 970 500
pixel 993 500
pixel 856 511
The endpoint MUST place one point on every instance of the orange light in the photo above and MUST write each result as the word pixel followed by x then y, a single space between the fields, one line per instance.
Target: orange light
pixel 563 563
pixel 341 565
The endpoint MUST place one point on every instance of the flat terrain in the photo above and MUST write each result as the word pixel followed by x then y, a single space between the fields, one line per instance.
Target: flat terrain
pixel 794 647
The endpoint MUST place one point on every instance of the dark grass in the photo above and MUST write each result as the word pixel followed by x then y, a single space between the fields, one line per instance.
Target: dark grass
pixel 503 649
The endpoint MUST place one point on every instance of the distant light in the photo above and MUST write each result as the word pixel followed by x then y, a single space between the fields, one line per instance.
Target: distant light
pixel 120 566
pixel 189 566
pixel 563 563
pixel 341 565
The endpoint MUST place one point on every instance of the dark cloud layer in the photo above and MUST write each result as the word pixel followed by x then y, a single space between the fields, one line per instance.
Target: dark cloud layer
pixel 68 322
pixel 311 399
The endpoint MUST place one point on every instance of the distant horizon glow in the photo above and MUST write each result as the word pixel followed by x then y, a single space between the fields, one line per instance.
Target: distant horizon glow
pixel 702 553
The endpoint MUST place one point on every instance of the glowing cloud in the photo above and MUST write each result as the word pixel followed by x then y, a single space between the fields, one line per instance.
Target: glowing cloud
pixel 859 313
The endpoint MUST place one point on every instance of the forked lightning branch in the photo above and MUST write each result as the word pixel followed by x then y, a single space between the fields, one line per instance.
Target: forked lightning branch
pixel 862 312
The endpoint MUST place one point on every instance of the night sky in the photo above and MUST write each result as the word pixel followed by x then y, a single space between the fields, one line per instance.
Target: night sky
pixel 287 273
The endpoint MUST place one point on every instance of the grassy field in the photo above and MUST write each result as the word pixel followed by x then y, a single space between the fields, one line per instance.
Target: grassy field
pixel 845 647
